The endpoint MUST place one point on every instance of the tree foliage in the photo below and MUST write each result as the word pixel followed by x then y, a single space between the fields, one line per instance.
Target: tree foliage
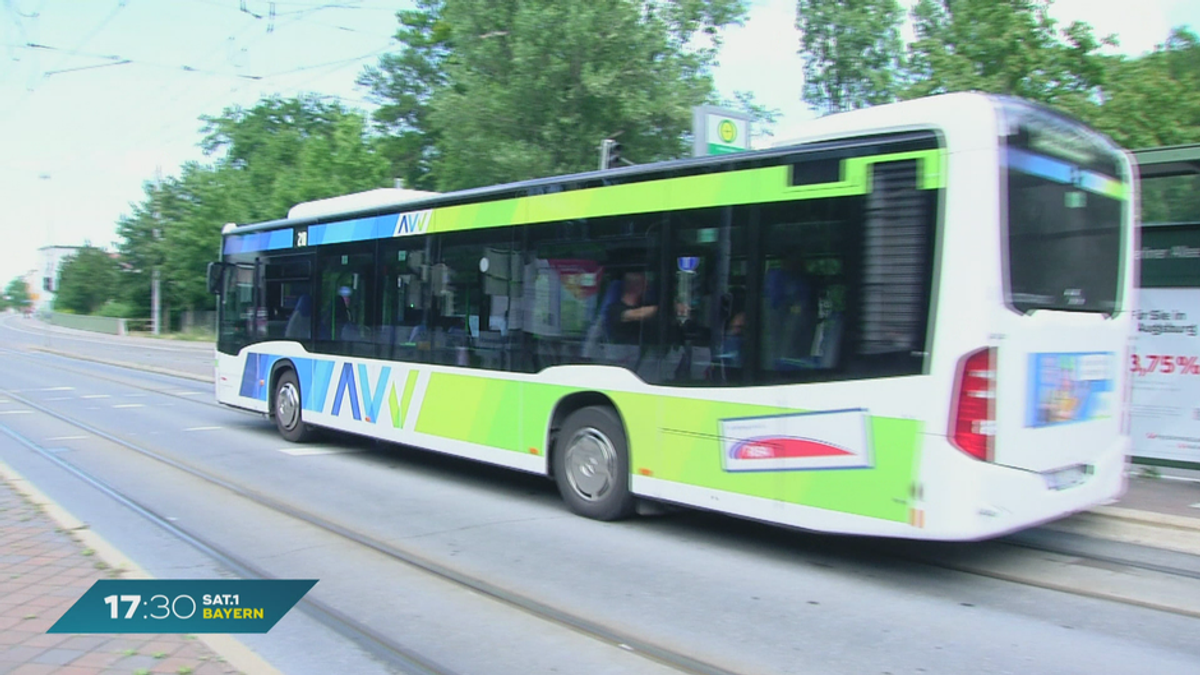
pixel 516 89
pixel 852 52
pixel 86 281
pixel 1154 100
pixel 16 295
pixel 1005 47
pixel 266 159
pixel 402 84
pixel 853 58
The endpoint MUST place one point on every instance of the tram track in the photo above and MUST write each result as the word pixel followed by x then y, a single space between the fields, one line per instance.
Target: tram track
pixel 1073 565
pixel 393 653
pixel 207 402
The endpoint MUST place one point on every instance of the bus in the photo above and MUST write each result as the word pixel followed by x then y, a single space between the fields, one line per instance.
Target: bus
pixel 909 323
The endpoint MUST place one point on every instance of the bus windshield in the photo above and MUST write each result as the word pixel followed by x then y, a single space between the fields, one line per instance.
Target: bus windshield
pixel 1065 195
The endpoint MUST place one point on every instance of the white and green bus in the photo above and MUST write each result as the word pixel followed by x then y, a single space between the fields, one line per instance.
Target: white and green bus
pixel 911 323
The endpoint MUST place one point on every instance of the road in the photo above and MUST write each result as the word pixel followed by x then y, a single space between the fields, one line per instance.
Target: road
pixel 731 596
pixel 192 359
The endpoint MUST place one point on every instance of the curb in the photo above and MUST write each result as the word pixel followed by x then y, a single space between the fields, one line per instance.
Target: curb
pixel 234 652
pixel 1148 518
pixel 126 364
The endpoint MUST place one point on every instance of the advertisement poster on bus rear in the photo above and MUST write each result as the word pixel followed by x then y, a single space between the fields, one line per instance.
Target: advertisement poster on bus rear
pixel 1165 365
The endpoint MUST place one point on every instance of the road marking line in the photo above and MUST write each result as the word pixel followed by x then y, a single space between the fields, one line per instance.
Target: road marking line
pixel 1195 506
pixel 5 400
pixel 54 389
pixel 130 405
pixel 305 452
pixel 135 395
pixel 95 396
pixel 15 412
pixel 67 438
pixel 201 428
pixel 189 393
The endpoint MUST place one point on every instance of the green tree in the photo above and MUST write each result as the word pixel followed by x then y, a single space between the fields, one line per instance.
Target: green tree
pixel 266 159
pixel 16 294
pixel 529 88
pixel 402 84
pixel 853 54
pixel 86 281
pixel 1005 47
pixel 1154 100
pixel 285 151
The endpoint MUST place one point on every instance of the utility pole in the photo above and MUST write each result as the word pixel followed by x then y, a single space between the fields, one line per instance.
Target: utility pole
pixel 155 291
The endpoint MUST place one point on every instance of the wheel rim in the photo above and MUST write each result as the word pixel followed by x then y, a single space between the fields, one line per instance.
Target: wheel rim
pixel 591 464
pixel 287 406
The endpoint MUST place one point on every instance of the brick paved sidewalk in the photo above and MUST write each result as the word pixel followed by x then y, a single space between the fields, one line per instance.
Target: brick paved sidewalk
pixel 43 571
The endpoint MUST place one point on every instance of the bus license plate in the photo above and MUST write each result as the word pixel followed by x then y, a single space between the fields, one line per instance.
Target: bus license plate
pixel 1068 477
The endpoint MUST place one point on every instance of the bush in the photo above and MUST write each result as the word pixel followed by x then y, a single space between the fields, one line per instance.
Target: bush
pixel 116 309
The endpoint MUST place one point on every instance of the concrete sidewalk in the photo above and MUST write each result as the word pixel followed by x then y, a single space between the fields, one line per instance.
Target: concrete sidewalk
pixel 47 561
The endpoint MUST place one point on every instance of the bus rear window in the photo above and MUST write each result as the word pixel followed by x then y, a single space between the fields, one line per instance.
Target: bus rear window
pixel 1065 211
pixel 1064 246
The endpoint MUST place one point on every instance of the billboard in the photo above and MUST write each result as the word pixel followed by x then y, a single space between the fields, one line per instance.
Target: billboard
pixel 1165 366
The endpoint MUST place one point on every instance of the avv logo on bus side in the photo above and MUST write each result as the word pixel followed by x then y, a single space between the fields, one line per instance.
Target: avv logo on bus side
pixel 416 222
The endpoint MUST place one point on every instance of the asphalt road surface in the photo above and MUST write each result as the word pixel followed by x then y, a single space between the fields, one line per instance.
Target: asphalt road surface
pixel 732 596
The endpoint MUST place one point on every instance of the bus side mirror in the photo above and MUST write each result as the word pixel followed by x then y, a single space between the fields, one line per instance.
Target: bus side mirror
pixel 216 274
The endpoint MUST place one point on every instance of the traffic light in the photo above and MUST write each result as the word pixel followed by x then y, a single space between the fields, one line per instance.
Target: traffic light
pixel 610 154
pixel 614 154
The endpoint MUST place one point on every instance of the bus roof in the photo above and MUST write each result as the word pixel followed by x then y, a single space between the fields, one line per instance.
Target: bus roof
pixel 379 198
pixel 918 114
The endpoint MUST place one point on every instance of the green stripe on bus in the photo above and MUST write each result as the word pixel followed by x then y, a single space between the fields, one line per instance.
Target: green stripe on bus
pixel 410 385
pixel 474 409
pixel 690 453
pixel 678 439
pixel 751 186
pixel 399 406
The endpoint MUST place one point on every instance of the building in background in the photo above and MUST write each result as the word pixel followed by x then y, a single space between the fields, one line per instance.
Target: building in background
pixel 1165 415
pixel 44 284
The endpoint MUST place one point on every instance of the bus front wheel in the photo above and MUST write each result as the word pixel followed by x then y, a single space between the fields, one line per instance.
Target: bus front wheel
pixel 287 409
pixel 591 464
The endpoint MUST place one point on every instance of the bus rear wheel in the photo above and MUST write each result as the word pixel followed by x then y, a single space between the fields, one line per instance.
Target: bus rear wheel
pixel 591 464
pixel 287 409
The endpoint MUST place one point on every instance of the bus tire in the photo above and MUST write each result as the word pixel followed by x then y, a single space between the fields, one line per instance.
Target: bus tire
pixel 287 409
pixel 591 464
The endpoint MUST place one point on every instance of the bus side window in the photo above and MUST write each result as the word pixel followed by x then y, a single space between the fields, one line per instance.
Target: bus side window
pixel 403 331
pixel 472 281
pixel 345 307
pixel 801 330
pixel 707 302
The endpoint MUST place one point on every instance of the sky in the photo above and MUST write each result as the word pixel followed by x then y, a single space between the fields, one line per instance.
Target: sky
pixel 99 96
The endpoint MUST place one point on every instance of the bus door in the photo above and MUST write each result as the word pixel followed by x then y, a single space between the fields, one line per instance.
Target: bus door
pixel 286 306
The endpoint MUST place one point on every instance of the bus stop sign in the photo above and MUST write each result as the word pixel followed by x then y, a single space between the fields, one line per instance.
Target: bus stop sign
pixel 718 131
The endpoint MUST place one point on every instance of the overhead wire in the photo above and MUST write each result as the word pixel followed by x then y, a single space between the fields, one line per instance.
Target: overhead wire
pixel 86 39
pixel 172 129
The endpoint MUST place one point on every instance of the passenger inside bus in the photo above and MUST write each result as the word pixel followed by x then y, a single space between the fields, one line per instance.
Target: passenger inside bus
pixel 731 345
pixel 624 317
pixel 790 316
pixel 337 323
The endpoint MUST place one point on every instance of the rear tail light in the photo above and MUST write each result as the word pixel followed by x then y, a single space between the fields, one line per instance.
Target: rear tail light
pixel 973 416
